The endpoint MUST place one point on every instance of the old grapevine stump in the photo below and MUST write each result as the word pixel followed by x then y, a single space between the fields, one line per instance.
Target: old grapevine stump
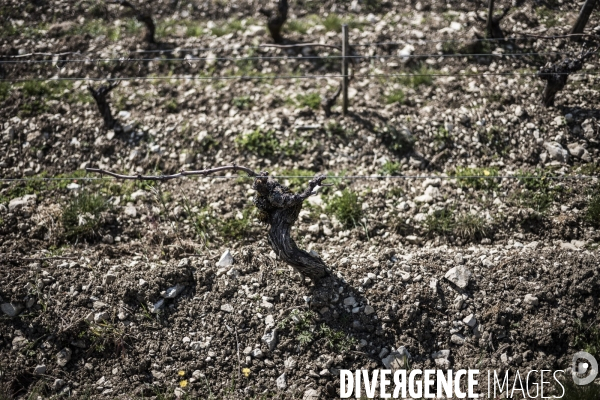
pixel 279 207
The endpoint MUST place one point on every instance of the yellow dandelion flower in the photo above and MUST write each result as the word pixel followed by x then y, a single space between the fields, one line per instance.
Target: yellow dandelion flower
pixel 486 172
pixel 183 383
pixel 246 372
pixel 181 373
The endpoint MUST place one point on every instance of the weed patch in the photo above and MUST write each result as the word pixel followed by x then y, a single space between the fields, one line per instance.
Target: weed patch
pixel 390 168
pixel 262 143
pixel 395 96
pixel 476 178
pixel 311 100
pixel 465 226
pixel 398 140
pixel 538 191
pixel 346 208
pixel 82 217
pixel 593 209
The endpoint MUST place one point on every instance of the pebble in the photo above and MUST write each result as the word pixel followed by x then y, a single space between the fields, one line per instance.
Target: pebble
pixel 457 339
pixel 10 309
pixel 227 308
pixel 311 394
pixel 349 301
pixel 369 310
pixel 470 320
pixel 556 151
pixel 64 356
pixel 531 300
pixel 40 369
pixel 101 316
pixel 281 382
pixel 109 278
pixel 173 291
pixel 441 354
pixel 290 363
pixel 397 359
pixel 157 306
pixel 226 259
pixel 270 339
pixel 459 275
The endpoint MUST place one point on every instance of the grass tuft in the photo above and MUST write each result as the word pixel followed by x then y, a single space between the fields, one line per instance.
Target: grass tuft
pixel 476 178
pixel 346 208
pixel 82 217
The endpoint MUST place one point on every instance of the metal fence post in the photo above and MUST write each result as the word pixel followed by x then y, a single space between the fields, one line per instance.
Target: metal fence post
pixel 345 80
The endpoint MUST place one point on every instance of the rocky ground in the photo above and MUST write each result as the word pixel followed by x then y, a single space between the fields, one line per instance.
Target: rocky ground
pixel 479 248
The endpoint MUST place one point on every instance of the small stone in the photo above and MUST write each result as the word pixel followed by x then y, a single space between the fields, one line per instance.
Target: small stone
pixel 369 310
pixel 413 239
pixel 576 150
pixel 130 210
pixel 138 194
pixel 397 359
pixel 470 321
pixel 10 309
pixel 257 353
pixel 383 353
pixel 569 118
pixel 519 112
pixel 109 278
pixel 311 394
pixel 270 339
pixel 101 316
pixel 504 358
pixel 531 300
pixel 40 369
pixel 457 339
pixel 441 354
pixel 227 308
pixel 290 363
pixel 281 382
pixel 314 229
pixel 556 151
pixel 424 198
pixel 226 259
pixel 58 384
pixel 64 356
pixel 269 321
pixel 108 239
pixel 349 301
pixel 459 275
pixel 173 291
pixel 19 202
pixel 157 306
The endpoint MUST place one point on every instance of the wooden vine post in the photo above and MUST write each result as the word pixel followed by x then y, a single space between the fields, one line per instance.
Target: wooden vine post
pixel 345 79
pixel 278 207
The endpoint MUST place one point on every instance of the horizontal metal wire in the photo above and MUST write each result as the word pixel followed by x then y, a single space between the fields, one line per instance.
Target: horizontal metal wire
pixel 334 177
pixel 288 76
pixel 523 36
pixel 300 58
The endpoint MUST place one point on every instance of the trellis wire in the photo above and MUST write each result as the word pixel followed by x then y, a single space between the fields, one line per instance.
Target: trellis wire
pixel 332 177
pixel 299 58
pixel 252 77
pixel 524 36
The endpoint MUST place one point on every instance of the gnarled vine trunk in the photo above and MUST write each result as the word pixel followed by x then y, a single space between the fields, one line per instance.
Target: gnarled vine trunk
pixel 279 207
pixel 99 96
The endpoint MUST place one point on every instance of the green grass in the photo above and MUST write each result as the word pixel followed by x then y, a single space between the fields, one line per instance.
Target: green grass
pixel 171 106
pixel 229 27
pixel 587 338
pixel 234 228
pixel 334 128
pixel 476 178
pixel 395 96
pixel 296 25
pixel 440 222
pixel 311 100
pixel 465 226
pixel 390 168
pixel 421 76
pixel 346 208
pixel 82 218
pixel 337 340
pixel 262 143
pixel 334 22
pixel 266 144
pixel 38 93
pixel 538 190
pixel 592 212
pixel 242 102
pixel 547 16
pixel 4 90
